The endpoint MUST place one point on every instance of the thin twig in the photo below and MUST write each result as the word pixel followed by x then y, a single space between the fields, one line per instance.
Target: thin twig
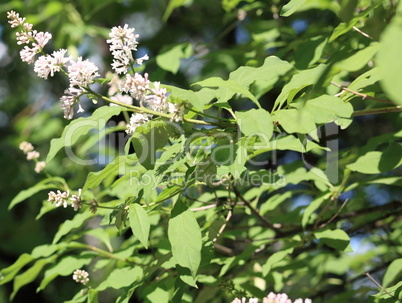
pixel 364 96
pixel 229 215
pixel 334 216
pixel 204 207
pixel 380 286
pixel 376 111
pixel 363 33
pixel 255 212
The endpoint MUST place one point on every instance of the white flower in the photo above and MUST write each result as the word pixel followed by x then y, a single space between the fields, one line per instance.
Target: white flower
pixel 137 86
pixel 123 41
pixel 61 198
pixel 28 54
pixel 50 64
pixel 40 166
pixel 157 101
pixel 67 104
pixel 76 200
pixel 82 73
pixel 136 120
pixel 15 19
pixel 42 38
pixel 26 147
pixel 32 155
pixel 142 59
pixel 81 276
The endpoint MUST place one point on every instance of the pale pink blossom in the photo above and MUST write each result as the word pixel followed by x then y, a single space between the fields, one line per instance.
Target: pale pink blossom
pixel 27 54
pixel 136 120
pixel 137 86
pixel 32 155
pixel 59 198
pixel 122 43
pixel 26 147
pixel 42 38
pixel 82 72
pixel 81 276
pixel 76 200
pixel 39 166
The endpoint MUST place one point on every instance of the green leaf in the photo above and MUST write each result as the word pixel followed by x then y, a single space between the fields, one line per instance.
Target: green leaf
pixel 148 138
pixel 264 76
pixel 393 273
pixel 28 276
pixel 360 59
pixel 82 126
pixel 231 85
pixel 297 83
pixel 49 183
pixel 173 4
pixel 139 223
pixel 170 60
pixel 256 122
pixel 389 62
pixel 376 162
pixel 309 52
pixel 122 277
pixel 69 225
pixel 113 168
pixel 295 121
pixel 64 267
pixel 291 7
pixel 337 239
pixel 197 99
pixel 313 206
pixel 275 258
pixel 343 28
pixel 8 273
pixel 325 108
pixel 185 237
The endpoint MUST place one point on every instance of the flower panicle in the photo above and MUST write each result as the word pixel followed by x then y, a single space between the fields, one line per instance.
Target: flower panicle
pixel 63 198
pixel 28 149
pixel 272 298
pixel 35 40
pixel 81 276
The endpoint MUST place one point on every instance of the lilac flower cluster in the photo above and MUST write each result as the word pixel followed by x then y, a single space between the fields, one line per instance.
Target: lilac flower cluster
pixel 38 40
pixel 32 154
pixel 82 73
pixel 81 276
pixel 272 298
pixel 62 199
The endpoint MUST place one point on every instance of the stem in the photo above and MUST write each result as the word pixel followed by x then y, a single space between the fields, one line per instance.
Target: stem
pixel 380 286
pixel 364 96
pixel 151 112
pixel 382 110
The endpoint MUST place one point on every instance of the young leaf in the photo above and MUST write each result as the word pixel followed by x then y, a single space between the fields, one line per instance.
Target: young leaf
pixel 8 273
pixel 388 60
pixel 230 85
pixel 170 60
pixel 82 126
pixel 139 223
pixel 185 237
pixel 69 225
pixel 49 183
pixel 64 267
pixel 275 258
pixel 291 7
pixel 148 138
pixel 337 238
pixel 393 273
pixel 256 122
